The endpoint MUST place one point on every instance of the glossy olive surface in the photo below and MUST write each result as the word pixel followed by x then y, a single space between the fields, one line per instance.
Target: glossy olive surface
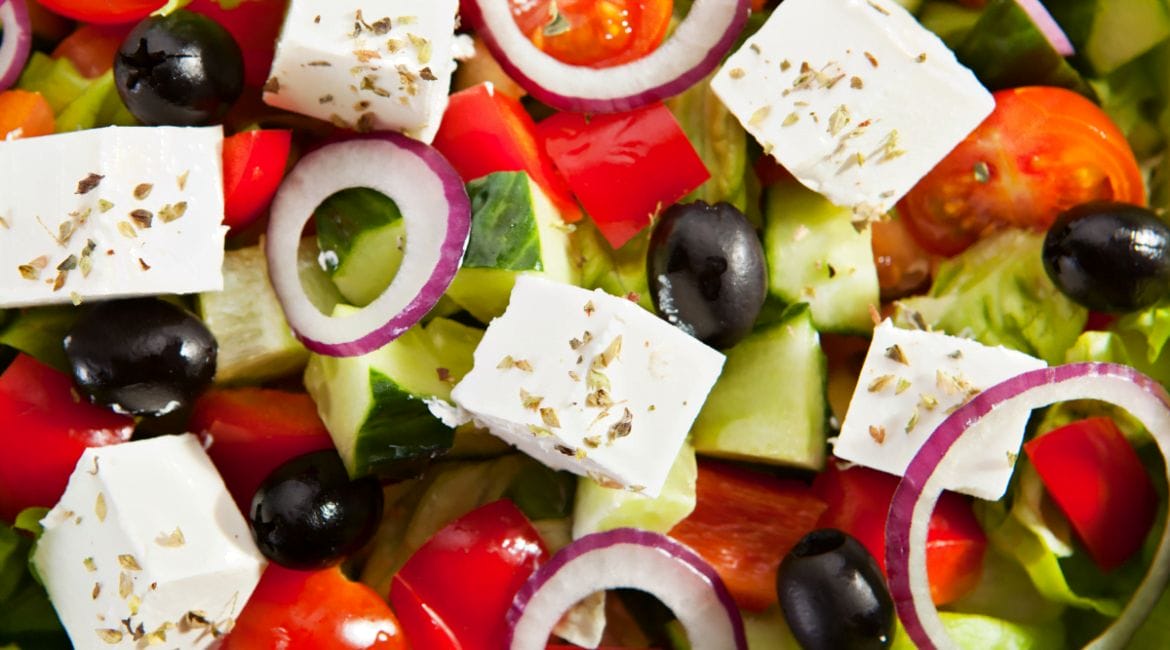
pixel 833 594
pixel 705 266
pixel 141 356
pixel 182 69
pixel 1110 257
pixel 308 514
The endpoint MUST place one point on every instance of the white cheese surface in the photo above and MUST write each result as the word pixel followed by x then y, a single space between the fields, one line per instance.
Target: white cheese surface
pixel 589 383
pixel 154 216
pixel 911 381
pixel 146 546
pixel 367 64
pixel 854 97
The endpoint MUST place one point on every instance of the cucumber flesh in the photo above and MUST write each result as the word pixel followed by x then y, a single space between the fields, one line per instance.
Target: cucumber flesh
pixel 769 404
pixel 600 508
pixel 362 239
pixel 1124 30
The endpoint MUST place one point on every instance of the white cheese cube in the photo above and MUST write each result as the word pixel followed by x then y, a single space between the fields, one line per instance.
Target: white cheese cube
pixel 854 97
pixel 911 381
pixel 146 546
pixel 589 383
pixel 109 213
pixel 366 65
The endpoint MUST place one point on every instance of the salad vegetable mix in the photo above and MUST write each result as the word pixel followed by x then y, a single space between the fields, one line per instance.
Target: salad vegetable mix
pixel 541 324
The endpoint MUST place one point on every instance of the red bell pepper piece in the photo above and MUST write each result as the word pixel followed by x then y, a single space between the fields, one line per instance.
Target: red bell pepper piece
pixel 859 500
pixel 252 431
pixel 485 130
pixel 453 592
pixel 45 429
pixel 92 48
pixel 1098 482
pixel 311 610
pixel 743 524
pixel 255 24
pixel 253 166
pixel 625 168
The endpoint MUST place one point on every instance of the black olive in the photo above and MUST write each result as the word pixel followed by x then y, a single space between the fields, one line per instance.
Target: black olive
pixel 1109 257
pixel 834 595
pixel 706 272
pixel 308 514
pixel 182 69
pixel 142 356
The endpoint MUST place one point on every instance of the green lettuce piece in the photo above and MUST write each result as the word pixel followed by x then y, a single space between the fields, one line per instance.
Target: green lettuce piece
pixel 26 617
pixel 998 293
pixel 979 632
pixel 719 140
pixel 78 103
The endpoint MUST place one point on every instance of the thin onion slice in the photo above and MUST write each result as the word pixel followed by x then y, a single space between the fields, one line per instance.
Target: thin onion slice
pixel 437 216
pixel 16 43
pixel 627 558
pixel 1047 26
pixel 914 500
pixel 688 55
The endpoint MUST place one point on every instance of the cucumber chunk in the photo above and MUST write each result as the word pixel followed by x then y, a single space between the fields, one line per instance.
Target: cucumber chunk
pixel 255 342
pixel 816 256
pixel 769 404
pixel 600 508
pixel 362 239
pixel 373 405
pixel 1124 30
pixel 514 229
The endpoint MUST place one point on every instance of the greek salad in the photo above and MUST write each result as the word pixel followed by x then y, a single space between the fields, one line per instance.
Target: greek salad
pixel 527 324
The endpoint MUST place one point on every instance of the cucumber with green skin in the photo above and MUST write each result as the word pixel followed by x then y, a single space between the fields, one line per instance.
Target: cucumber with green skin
pixel 1110 33
pixel 362 239
pixel 769 404
pixel 373 405
pixel 816 256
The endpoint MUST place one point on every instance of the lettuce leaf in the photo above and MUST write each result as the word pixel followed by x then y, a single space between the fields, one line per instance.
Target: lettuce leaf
pixel 26 617
pixel 998 293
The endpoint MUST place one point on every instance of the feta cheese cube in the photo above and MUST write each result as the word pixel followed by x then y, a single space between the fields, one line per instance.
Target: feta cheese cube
pixel 911 381
pixel 111 212
pixel 146 546
pixel 366 64
pixel 589 383
pixel 854 97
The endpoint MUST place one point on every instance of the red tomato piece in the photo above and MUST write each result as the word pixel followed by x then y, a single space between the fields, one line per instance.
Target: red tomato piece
pixel 252 431
pixel 310 610
pixel 485 130
pixel 1041 151
pixel 253 166
pixel 255 24
pixel 46 429
pixel 92 48
pixel 625 168
pixel 460 584
pixel 595 33
pixel 1098 482
pixel 25 114
pixel 744 523
pixel 859 500
pixel 104 12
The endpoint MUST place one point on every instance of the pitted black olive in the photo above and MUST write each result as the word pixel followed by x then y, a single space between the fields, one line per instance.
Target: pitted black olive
pixel 141 356
pixel 706 272
pixel 1110 257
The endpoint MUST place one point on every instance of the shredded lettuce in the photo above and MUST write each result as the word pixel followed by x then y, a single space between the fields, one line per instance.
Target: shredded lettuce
pixel 998 293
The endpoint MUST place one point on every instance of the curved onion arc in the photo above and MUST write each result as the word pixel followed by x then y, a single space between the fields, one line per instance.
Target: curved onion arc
pixel 437 216
pixel 627 558
pixel 919 489
pixel 688 55
pixel 16 43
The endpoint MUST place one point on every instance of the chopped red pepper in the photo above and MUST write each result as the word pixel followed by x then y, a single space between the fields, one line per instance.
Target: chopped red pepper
pixel 91 48
pixel 46 428
pixel 255 24
pixel 744 523
pixel 859 500
pixel 625 168
pixel 310 610
pixel 252 431
pixel 455 590
pixel 253 166
pixel 1098 482
pixel 485 130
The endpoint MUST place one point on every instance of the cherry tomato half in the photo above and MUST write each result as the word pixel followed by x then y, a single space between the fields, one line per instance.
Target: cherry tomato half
pixel 1041 151
pixel 595 33
pixel 104 12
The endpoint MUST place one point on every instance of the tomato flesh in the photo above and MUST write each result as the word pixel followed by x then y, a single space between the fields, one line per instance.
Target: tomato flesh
pixel 103 12
pixel 253 166
pixel 1041 151
pixel 594 33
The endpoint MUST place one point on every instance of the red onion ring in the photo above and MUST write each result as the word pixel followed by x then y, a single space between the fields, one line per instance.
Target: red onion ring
pixel 16 43
pixel 437 215
pixel 1047 26
pixel 914 500
pixel 695 48
pixel 627 558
